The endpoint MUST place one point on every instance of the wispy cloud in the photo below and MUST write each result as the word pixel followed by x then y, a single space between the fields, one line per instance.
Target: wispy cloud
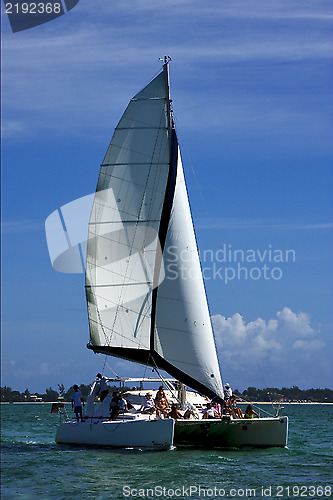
pixel 56 58
pixel 21 226
pixel 12 127
pixel 259 225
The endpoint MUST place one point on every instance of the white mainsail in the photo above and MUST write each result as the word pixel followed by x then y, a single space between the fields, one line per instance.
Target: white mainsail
pixel 145 294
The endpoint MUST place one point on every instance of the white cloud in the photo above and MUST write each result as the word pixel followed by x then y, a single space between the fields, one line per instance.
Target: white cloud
pixel 291 325
pixel 282 351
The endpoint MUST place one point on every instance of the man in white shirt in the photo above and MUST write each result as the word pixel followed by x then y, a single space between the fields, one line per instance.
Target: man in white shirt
pixel 210 412
pixel 228 391
pixel 77 402
pixel 148 404
pixel 103 388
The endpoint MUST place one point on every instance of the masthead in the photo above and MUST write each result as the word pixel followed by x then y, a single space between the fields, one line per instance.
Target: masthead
pixel 165 59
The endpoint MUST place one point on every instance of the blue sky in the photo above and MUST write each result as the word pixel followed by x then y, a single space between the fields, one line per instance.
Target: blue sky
pixel 251 84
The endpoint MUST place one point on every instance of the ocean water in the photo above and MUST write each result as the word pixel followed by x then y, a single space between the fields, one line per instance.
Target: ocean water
pixel 34 466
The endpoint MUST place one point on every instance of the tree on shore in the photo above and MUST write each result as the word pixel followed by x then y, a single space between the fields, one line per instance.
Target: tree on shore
pixel 250 394
pixel 61 390
pixel 288 394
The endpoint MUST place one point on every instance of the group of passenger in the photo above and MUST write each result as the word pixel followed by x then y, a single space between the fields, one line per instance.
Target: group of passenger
pixel 213 409
pixel 160 405
pixel 228 406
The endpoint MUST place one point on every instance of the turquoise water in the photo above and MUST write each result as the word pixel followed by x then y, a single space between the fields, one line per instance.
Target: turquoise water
pixel 34 466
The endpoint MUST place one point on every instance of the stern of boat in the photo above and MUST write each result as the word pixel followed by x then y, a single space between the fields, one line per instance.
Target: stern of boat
pixel 228 432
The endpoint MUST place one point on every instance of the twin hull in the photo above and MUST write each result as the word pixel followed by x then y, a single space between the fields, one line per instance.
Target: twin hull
pixel 162 434
pixel 156 434
pixel 264 432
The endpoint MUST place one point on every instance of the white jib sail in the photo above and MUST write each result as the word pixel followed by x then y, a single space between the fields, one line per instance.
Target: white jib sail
pixel 183 333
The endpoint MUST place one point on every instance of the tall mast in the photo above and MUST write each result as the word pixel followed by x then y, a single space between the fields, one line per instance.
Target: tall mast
pixel 167 59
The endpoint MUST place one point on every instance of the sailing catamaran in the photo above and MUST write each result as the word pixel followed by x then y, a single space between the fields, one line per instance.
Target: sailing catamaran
pixel 139 308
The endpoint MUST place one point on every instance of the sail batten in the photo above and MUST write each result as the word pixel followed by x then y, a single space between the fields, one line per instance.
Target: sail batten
pixel 138 309
pixel 128 164
pixel 142 128
pixel 148 99
pixel 119 284
pixel 124 222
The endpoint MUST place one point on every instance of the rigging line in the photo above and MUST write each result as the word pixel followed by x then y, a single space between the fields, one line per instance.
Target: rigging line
pixel 128 309
pixel 213 233
pixel 121 335
pixel 104 364
pixel 246 401
pixel 162 379
pixel 146 368
pixel 107 364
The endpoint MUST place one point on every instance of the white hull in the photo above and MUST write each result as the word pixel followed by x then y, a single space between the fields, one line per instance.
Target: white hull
pixel 135 429
pixel 228 432
pixel 136 433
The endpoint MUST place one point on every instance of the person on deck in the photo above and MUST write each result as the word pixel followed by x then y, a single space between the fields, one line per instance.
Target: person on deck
pixel 174 413
pixel 216 404
pixel 114 408
pixel 77 402
pixel 189 414
pixel 122 404
pixel 161 403
pixel 148 404
pixel 228 391
pixel 237 412
pixel 249 412
pixel 103 388
pixel 210 412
